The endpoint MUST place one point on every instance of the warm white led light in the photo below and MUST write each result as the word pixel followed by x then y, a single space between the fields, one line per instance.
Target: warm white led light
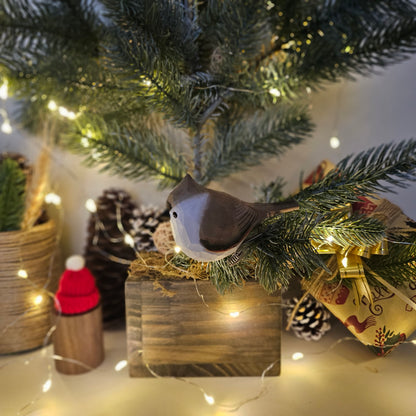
pixel 334 142
pixel 234 314
pixel 90 205
pixel 120 365
pixel 275 92
pixel 128 239
pixel 52 105
pixel 38 300
pixel 85 142
pixel 297 356
pixel 47 385
pixel 96 155
pixel 177 249
pixel 4 90
pixel 53 198
pixel 66 113
pixel 6 127
pixel 330 239
pixel 209 399
pixel 22 274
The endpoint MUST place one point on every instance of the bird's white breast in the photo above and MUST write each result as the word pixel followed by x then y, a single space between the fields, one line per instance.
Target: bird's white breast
pixel 185 218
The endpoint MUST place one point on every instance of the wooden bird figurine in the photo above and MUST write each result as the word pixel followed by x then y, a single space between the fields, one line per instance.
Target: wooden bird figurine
pixel 209 225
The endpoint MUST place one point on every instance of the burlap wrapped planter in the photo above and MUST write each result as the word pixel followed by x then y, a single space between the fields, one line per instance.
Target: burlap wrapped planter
pixel 24 324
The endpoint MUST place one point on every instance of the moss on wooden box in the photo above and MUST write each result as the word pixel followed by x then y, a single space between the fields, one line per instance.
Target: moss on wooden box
pixel 171 331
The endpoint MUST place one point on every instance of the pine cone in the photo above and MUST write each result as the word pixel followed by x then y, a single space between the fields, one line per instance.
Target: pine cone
pixel 107 255
pixel 144 224
pixel 311 320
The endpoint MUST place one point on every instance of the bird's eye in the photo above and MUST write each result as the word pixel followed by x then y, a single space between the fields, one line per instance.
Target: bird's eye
pixel 175 215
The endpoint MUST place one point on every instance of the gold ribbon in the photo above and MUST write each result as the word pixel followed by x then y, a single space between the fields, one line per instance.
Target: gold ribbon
pixel 350 264
pixel 347 261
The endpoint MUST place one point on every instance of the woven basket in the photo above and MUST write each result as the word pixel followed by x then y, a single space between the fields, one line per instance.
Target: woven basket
pixel 23 323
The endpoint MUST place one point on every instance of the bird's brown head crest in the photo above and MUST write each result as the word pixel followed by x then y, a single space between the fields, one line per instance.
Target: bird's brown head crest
pixel 184 190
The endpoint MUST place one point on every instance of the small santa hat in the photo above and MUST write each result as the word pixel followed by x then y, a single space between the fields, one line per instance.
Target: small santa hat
pixel 77 292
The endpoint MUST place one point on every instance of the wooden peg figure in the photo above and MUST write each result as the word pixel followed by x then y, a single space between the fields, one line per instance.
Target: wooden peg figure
pixel 78 337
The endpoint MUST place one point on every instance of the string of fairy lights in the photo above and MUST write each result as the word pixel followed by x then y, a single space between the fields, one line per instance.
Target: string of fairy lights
pixel 119 366
pixel 43 293
pixel 53 199
pixel 5 127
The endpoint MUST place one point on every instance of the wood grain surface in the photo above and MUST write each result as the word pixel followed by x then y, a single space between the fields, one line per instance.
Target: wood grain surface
pixel 78 339
pixel 184 336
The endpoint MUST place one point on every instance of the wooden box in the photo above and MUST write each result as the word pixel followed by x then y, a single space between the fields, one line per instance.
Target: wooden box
pixel 172 331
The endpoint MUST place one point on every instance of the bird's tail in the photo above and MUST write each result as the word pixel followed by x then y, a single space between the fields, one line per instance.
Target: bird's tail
pixel 275 208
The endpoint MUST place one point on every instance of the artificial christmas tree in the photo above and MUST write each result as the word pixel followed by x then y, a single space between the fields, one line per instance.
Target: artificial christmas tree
pixel 158 89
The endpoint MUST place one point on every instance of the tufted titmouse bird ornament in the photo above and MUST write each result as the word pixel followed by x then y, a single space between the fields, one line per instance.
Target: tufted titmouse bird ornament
pixel 209 225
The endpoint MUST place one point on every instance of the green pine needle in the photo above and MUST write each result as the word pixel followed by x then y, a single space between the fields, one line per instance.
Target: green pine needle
pixel 355 230
pixel 272 192
pixel 245 142
pixel 274 253
pixel 134 154
pixel 12 195
pixel 399 265
pixel 226 277
pixel 369 172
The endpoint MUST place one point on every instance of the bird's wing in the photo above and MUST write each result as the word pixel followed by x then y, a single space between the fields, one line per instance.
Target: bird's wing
pixel 225 223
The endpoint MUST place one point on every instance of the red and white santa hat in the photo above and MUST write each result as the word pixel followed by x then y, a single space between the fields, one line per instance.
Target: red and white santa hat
pixel 77 292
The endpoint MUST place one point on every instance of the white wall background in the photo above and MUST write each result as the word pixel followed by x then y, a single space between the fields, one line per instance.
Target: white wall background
pixel 364 113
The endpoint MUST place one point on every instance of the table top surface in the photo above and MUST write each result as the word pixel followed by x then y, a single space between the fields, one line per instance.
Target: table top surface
pixel 337 375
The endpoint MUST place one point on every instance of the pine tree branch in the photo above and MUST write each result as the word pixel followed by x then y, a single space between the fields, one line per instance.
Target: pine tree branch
pixel 140 154
pixel 343 38
pixel 315 42
pixel 49 51
pixel 282 246
pixel 197 142
pixel 355 230
pixel 243 143
pixel 272 192
pixel 367 173
pixel 196 64
pixel 399 265
pixel 272 254
pixel 232 31
pixel 40 28
pixel 225 277
pixel 165 24
pixel 12 195
pixel 157 80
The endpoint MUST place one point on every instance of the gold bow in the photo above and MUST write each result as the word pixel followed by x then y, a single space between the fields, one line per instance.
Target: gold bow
pixel 350 265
